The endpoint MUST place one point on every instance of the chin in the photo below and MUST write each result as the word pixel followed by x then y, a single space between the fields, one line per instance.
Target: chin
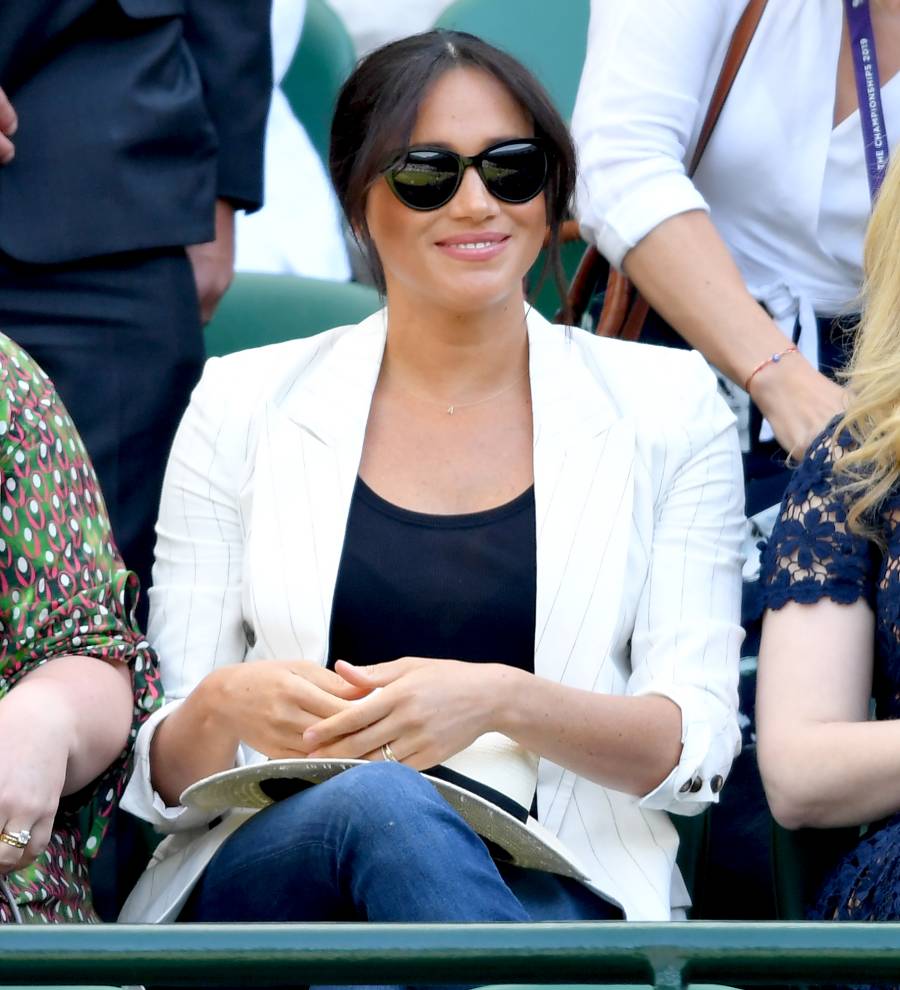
pixel 475 294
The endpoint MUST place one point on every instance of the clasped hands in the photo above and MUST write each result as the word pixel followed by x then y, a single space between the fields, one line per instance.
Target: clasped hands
pixel 425 709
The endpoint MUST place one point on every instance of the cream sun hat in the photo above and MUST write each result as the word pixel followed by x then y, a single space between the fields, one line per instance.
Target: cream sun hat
pixel 491 784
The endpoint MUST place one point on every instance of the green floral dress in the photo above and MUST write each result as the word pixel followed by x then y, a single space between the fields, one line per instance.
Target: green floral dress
pixel 63 590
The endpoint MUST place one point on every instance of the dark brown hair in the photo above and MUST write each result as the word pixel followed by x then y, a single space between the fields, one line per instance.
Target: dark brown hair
pixel 377 109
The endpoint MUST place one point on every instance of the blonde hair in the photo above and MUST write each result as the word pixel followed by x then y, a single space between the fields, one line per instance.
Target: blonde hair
pixel 871 467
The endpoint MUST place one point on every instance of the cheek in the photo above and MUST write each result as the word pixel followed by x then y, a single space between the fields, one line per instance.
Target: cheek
pixel 533 219
pixel 392 227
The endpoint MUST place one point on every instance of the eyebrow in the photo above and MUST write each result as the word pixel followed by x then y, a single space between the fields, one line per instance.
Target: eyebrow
pixel 490 142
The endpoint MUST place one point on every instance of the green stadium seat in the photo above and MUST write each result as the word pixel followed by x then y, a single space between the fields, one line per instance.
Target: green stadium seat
pixel 540 286
pixel 267 309
pixel 323 60
pixel 801 860
pixel 550 38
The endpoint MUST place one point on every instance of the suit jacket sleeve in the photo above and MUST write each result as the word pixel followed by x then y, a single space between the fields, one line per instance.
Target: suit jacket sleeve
pixel 195 602
pixel 231 45
pixel 687 634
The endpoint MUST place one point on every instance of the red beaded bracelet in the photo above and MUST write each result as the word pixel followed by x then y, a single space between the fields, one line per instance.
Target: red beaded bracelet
pixel 772 359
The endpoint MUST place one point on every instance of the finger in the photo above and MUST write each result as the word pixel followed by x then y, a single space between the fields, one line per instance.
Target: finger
pixel 314 701
pixel 10 853
pixel 333 682
pixel 417 759
pixel 9 122
pixel 7 150
pixel 375 675
pixel 280 752
pixel 357 744
pixel 41 833
pixel 353 719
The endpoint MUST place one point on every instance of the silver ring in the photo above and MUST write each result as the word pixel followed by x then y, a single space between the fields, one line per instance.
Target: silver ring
pixel 18 840
pixel 388 754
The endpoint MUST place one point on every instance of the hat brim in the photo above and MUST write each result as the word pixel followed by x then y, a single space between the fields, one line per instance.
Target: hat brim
pixel 526 844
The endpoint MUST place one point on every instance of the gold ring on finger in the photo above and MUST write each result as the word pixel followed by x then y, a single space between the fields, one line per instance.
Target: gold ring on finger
pixel 388 754
pixel 18 840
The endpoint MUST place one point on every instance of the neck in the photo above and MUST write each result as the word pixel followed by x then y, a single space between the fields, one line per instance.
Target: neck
pixel 453 356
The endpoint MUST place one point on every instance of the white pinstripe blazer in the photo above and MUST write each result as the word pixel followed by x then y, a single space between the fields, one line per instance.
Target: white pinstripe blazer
pixel 638 496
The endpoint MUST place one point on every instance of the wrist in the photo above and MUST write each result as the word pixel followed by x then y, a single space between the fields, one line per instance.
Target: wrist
pixel 503 694
pixel 209 705
pixel 772 380
pixel 771 361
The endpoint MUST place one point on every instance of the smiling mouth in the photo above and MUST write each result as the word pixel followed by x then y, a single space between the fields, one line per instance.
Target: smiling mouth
pixel 474 245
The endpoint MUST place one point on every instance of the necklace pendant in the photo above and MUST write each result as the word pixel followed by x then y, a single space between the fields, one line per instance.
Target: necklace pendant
pixel 450 410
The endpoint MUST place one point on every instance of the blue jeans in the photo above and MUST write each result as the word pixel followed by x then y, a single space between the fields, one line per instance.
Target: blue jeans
pixel 376 843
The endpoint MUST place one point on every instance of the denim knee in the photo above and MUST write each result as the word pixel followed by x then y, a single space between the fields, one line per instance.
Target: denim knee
pixel 380 793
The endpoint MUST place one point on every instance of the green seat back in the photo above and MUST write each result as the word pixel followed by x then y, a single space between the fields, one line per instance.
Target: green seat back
pixel 801 860
pixel 549 38
pixel 267 309
pixel 323 60
pixel 540 286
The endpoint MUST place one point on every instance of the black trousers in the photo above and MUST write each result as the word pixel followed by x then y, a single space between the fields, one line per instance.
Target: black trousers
pixel 120 336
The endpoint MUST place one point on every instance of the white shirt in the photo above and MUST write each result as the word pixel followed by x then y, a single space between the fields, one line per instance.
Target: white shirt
pixel 786 190
pixel 374 24
pixel 299 230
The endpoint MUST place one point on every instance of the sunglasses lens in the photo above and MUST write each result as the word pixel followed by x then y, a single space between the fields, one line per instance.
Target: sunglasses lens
pixel 515 172
pixel 425 180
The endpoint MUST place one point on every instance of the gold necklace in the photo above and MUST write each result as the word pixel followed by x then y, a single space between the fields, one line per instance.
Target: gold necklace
pixel 451 409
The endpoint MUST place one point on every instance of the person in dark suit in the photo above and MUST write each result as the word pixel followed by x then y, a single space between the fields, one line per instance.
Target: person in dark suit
pixel 130 132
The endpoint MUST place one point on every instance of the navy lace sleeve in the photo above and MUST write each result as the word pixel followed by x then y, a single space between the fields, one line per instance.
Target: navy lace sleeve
pixel 811 553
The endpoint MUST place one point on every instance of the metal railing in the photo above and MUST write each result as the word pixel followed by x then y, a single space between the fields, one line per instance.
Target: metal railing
pixel 667 956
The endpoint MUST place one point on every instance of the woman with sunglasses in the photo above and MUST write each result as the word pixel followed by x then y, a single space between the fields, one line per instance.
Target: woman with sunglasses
pixel 451 519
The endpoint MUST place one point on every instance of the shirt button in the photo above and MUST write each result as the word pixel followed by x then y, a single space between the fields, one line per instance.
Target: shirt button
pixel 685 787
pixel 716 783
pixel 249 634
pixel 696 784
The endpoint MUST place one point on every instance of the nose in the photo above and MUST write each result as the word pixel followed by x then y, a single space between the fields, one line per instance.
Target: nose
pixel 472 200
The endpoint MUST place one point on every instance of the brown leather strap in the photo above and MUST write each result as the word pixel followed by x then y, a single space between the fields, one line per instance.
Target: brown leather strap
pixel 734 57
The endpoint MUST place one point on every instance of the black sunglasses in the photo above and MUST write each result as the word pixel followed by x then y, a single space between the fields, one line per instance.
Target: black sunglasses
pixel 427 178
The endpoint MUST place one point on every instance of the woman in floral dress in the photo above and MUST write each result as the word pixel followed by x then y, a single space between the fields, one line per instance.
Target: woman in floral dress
pixel 76 676
pixel 831 639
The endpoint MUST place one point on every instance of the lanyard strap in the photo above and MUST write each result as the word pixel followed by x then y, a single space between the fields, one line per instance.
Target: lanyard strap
pixel 868 91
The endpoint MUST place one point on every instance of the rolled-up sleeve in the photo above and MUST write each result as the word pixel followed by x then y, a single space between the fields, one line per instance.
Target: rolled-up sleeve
pixel 648 68
pixel 686 639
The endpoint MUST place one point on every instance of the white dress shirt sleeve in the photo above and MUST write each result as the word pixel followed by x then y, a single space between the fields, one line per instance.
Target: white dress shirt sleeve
pixel 686 640
pixel 648 72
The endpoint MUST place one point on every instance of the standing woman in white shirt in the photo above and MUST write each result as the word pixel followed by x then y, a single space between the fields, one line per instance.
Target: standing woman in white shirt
pixel 776 212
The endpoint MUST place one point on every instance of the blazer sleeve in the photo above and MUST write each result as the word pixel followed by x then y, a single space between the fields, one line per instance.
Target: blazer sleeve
pixel 647 68
pixel 687 635
pixel 196 615
pixel 230 42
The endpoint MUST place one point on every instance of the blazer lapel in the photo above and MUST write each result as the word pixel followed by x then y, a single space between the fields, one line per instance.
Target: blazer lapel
pixel 583 476
pixel 306 468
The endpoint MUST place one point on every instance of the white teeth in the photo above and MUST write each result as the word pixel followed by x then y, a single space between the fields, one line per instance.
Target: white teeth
pixel 474 245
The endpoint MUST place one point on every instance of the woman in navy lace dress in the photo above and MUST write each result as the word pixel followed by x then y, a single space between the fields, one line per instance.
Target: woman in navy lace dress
pixel 831 636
